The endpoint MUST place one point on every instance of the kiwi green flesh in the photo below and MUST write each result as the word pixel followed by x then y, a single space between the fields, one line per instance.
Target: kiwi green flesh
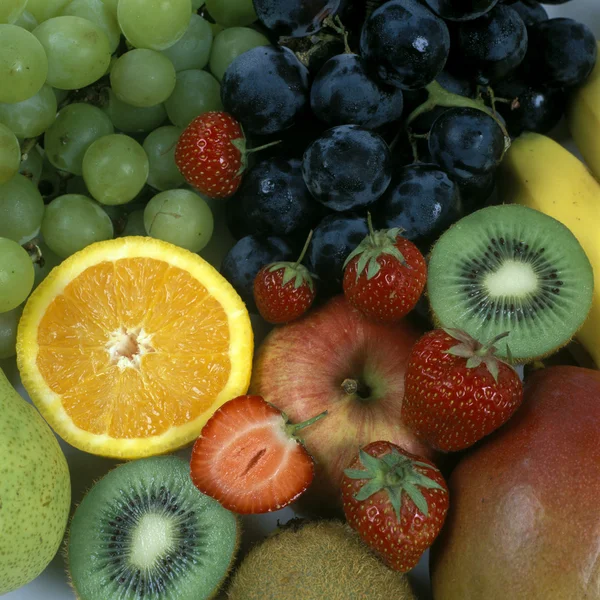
pixel 144 532
pixel 511 269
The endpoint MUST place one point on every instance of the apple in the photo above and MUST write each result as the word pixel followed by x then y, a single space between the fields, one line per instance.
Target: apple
pixel 524 522
pixel 338 361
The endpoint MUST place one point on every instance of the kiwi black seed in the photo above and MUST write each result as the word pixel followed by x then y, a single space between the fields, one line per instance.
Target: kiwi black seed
pixel 511 269
pixel 144 532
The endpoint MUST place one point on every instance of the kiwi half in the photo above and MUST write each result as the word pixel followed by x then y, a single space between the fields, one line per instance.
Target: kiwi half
pixel 321 560
pixel 144 532
pixel 511 269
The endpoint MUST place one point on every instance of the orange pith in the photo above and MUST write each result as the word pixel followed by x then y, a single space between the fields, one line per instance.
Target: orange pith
pixel 134 347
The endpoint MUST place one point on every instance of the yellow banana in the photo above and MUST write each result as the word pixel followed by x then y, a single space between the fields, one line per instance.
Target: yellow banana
pixel 583 117
pixel 540 173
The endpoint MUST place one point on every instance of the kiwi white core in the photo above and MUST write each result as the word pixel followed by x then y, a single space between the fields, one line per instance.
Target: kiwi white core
pixel 513 278
pixel 152 538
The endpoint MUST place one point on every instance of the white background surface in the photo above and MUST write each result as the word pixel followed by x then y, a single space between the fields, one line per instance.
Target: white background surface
pixel 52 584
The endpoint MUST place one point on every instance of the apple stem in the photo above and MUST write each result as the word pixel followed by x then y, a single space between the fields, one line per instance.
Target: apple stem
pixel 304 250
pixel 352 387
pixel 292 429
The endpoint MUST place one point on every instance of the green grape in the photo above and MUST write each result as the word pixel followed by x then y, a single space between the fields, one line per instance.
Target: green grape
pixel 42 267
pixel 31 117
pixel 195 93
pixel 229 44
pixel 133 119
pixel 193 49
pixel 23 64
pixel 232 13
pixel 160 148
pixel 78 51
pixel 60 95
pixel 143 78
pixel 16 275
pixel 43 10
pixel 112 6
pixel 75 129
pixel 27 21
pixel 9 322
pixel 115 169
pixel 180 217
pixel 50 180
pixel 73 222
pixel 11 10
pixel 31 166
pixel 96 12
pixel 10 154
pixel 196 4
pixel 154 24
pixel 21 209
pixel 135 224
pixel 76 185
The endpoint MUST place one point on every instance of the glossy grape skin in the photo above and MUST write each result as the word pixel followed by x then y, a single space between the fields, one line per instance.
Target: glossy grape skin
pixel 192 51
pixel 405 44
pixel 562 53
pixel 531 11
pixel 266 89
pixel 250 254
pixel 75 129
pixel 16 275
pixel 10 154
pixel 30 118
pixel 464 10
pixel 135 224
pixel 466 142
pixel 232 13
pixel 9 321
pixel 491 47
pixel 333 240
pixel 98 13
pixel 476 191
pixel 422 200
pixel 43 10
pixel 21 209
pixel 31 166
pixel 160 148
pixel 343 94
pixel 275 201
pixel 23 64
pixel 26 21
pixel 134 119
pixel 294 18
pixel 347 168
pixel 10 10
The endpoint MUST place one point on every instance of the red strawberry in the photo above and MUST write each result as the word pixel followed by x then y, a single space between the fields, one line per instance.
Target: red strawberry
pixel 396 501
pixel 284 291
pixel 385 275
pixel 211 154
pixel 456 391
pixel 249 457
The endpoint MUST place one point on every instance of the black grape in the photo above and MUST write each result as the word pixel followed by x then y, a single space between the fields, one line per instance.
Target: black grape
pixel 477 191
pixel 294 18
pixel 465 10
pixel 466 142
pixel 405 44
pixel 531 11
pixel 343 93
pixel 491 47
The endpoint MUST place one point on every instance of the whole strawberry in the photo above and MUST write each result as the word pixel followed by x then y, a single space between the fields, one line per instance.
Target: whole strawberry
pixel 385 275
pixel 456 391
pixel 284 291
pixel 396 501
pixel 211 154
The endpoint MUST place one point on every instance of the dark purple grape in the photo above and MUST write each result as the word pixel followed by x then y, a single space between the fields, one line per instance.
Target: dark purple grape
pixel 461 10
pixel 491 47
pixel 404 44
pixel 242 263
pixel 333 240
pixel 536 108
pixel 466 142
pixel 476 192
pixel 347 168
pixel 294 18
pixel 266 89
pixel 556 1
pixel 343 94
pixel 562 52
pixel 531 11
pixel 422 200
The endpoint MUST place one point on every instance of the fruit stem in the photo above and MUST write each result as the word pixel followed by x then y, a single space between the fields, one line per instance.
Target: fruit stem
pixel 337 25
pixel 486 347
pixel 370 225
pixel 259 148
pixel 35 253
pixel 352 387
pixel 293 429
pixel 304 250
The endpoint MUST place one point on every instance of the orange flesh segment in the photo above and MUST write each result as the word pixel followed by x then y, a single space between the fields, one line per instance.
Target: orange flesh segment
pixel 169 340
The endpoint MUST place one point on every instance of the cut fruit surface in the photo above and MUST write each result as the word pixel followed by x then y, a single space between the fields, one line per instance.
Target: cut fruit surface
pixel 511 269
pixel 129 346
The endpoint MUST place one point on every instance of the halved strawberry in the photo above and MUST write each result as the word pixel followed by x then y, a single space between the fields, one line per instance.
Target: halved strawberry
pixel 249 458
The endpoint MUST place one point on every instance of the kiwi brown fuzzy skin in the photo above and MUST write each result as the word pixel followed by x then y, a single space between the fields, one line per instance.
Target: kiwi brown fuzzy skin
pixel 320 560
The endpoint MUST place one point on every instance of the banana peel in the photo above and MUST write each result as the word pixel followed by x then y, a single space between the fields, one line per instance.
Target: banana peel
pixel 539 173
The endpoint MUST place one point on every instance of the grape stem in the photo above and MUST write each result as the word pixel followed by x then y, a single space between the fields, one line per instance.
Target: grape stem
pixel 336 24
pixel 35 252
pixel 439 96
pixel 28 145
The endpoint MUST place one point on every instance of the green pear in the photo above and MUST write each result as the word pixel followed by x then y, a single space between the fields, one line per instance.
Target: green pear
pixel 35 491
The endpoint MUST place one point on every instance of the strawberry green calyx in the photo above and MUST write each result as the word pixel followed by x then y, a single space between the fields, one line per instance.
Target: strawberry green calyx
pixel 240 144
pixel 376 244
pixel 394 474
pixel 296 271
pixel 477 353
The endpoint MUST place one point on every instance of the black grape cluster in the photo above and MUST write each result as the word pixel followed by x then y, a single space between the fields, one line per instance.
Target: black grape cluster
pixel 407 116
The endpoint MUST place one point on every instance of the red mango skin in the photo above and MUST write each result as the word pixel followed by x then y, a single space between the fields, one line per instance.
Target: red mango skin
pixel 524 519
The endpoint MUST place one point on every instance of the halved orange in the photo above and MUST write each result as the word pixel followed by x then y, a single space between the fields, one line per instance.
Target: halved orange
pixel 129 346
